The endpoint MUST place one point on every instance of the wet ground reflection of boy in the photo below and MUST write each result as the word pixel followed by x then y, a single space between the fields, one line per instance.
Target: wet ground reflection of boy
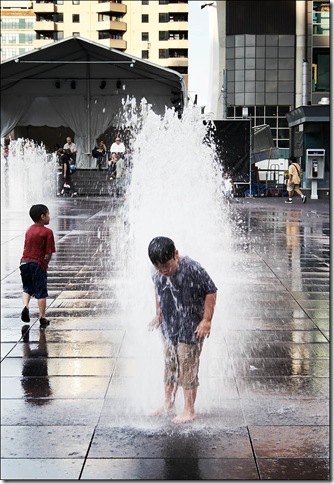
pixel 185 302
pixel 35 379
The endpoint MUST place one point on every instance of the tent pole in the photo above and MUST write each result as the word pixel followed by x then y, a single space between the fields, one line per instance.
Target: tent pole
pixel 89 147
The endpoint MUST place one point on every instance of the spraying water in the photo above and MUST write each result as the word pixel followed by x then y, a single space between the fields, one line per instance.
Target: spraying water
pixel 28 175
pixel 175 191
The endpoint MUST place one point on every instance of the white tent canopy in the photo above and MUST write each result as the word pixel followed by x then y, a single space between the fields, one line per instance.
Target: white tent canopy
pixel 82 85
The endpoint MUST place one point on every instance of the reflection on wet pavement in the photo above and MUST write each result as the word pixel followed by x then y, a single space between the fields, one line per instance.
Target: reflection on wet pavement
pixel 68 410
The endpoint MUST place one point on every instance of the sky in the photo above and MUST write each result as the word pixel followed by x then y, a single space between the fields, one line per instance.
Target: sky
pixel 199 52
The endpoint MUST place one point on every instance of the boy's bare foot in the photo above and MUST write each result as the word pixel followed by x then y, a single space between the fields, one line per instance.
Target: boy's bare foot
pixel 185 416
pixel 161 410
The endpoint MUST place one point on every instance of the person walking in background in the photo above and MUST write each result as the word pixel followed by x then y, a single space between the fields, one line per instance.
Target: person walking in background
pixel 67 183
pixel 39 245
pixel 229 188
pixel 69 145
pixel 294 180
pixel 185 302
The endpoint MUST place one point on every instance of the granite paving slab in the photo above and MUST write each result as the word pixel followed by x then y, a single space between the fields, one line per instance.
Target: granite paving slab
pixel 75 398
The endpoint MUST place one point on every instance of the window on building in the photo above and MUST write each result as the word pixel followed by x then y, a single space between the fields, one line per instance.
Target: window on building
pixel 163 35
pixel 163 53
pixel 59 17
pixel 75 2
pixel 60 2
pixel 144 2
pixel 321 70
pixel 163 18
pixel 180 69
pixel 178 34
pixel 75 34
pixel 273 116
pixel 178 53
pixel 178 17
pixel 321 18
pixel 145 36
pixel 76 18
pixel 144 54
pixel 144 18
pixel 9 38
pixel 111 34
pixel 26 38
pixel 163 2
pixel 46 36
pixel 26 23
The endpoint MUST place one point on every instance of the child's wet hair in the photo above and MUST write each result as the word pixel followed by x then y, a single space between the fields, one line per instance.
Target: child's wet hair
pixel 161 250
pixel 37 211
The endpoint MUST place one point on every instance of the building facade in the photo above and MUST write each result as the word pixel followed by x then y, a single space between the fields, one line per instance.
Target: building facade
pixel 154 30
pixel 17 28
pixel 272 57
pixel 158 31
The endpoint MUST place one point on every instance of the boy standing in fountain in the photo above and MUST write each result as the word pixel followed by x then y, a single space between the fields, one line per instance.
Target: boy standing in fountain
pixel 185 302
pixel 39 245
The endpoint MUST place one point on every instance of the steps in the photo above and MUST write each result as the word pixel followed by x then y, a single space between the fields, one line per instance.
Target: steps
pixel 92 182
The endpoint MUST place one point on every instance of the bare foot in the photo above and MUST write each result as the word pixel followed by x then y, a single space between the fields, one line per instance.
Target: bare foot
pixel 186 416
pixel 162 410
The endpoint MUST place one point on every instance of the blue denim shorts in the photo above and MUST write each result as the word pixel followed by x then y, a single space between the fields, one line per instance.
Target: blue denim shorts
pixel 34 280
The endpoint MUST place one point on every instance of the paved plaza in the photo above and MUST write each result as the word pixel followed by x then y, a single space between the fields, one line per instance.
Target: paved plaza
pixel 65 390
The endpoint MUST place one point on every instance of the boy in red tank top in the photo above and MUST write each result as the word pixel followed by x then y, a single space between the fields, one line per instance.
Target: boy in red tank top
pixel 39 245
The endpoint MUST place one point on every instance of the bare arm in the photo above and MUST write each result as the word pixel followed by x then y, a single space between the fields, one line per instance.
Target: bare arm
pixel 204 327
pixel 47 257
pixel 156 321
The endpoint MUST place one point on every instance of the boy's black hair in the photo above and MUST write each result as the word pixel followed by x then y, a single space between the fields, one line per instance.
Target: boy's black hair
pixel 293 159
pixel 161 250
pixel 37 211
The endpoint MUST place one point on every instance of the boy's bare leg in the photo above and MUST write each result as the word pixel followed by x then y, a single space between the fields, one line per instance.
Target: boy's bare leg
pixel 26 299
pixel 188 412
pixel 42 307
pixel 170 392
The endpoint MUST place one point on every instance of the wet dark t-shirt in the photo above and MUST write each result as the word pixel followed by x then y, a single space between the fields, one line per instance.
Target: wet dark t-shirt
pixel 181 298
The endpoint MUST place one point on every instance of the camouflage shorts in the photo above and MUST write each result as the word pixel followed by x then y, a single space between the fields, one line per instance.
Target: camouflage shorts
pixel 182 364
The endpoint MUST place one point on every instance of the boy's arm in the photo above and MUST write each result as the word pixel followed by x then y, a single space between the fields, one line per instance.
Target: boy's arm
pixel 204 327
pixel 155 323
pixel 47 257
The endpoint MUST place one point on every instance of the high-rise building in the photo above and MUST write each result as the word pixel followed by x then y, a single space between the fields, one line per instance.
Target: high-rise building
pixel 158 31
pixel 17 34
pixel 155 30
pixel 273 56
pixel 100 21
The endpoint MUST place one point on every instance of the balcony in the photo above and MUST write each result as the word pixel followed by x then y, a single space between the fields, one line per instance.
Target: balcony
pixel 42 42
pixel 44 26
pixel 111 7
pixel 40 8
pixel 174 7
pixel 111 25
pixel 176 61
pixel 177 44
pixel 118 44
pixel 175 25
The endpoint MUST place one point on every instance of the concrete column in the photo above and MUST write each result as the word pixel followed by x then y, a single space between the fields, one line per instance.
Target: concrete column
pixel 301 37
